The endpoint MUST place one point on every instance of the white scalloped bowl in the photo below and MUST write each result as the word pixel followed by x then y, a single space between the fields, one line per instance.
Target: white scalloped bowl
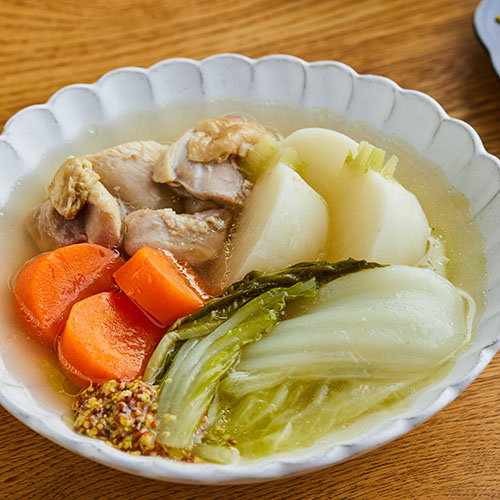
pixel 407 115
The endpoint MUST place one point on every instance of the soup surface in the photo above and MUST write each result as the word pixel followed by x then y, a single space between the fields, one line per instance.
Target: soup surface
pixel 447 212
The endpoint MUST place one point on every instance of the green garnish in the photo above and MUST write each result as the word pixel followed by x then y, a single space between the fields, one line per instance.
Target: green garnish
pixel 266 154
pixel 370 157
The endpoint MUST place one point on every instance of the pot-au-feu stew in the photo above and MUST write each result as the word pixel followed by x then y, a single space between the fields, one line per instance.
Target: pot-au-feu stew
pixel 234 293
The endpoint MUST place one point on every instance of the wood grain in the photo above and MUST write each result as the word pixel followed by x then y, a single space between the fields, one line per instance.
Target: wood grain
pixel 427 45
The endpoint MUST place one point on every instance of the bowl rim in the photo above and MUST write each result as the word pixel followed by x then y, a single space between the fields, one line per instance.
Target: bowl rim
pixel 277 466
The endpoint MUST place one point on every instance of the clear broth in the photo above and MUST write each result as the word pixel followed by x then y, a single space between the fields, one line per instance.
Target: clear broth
pixel 447 210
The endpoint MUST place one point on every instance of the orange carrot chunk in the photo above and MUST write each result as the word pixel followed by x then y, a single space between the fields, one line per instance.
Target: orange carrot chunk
pixel 48 285
pixel 152 279
pixel 106 337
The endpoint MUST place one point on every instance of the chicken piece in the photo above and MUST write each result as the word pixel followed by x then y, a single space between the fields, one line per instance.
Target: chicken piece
pixel 221 182
pixel 84 183
pixel 51 230
pixel 216 139
pixel 78 195
pixel 99 222
pixel 126 172
pixel 71 186
pixel 193 238
pixel 193 205
pixel 102 218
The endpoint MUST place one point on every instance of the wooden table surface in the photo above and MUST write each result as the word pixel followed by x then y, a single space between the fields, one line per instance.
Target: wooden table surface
pixel 429 45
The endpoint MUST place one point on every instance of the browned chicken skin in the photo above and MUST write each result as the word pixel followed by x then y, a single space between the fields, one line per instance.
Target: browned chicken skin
pixel 71 186
pixel 215 139
pixel 221 182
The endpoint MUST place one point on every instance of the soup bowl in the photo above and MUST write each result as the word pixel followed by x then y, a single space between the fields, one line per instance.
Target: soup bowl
pixel 327 86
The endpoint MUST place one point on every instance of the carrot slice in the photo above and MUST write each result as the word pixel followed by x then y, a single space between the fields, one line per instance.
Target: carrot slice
pixel 152 279
pixel 106 337
pixel 48 285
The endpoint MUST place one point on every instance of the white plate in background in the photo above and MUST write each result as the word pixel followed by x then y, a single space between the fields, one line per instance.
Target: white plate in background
pixel 488 29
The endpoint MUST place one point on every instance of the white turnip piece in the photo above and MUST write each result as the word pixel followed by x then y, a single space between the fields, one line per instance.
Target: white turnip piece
pixel 283 221
pixel 372 216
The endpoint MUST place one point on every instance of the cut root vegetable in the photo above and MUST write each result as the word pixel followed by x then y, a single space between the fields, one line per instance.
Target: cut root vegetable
pixel 152 279
pixel 324 151
pixel 283 221
pixel 376 219
pixel 106 337
pixel 372 217
pixel 48 285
